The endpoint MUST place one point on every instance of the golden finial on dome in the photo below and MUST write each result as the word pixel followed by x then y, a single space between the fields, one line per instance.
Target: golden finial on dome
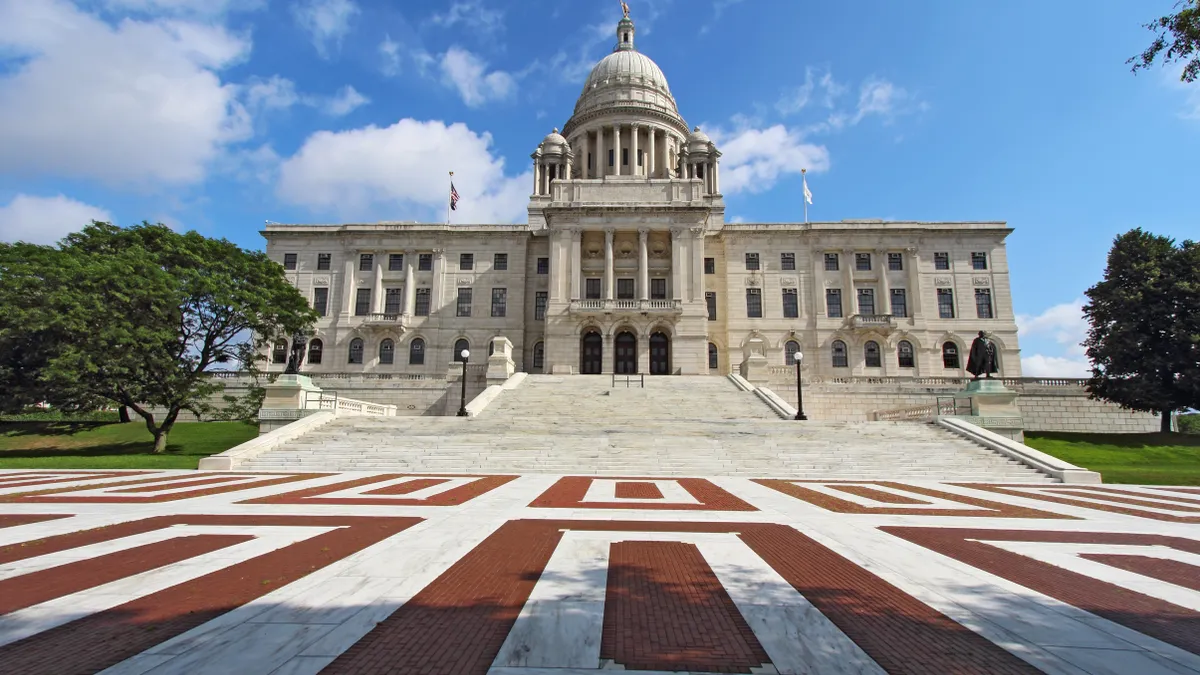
pixel 625 8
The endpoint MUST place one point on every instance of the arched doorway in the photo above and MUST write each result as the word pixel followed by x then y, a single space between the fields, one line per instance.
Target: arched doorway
pixel 625 353
pixel 591 354
pixel 660 354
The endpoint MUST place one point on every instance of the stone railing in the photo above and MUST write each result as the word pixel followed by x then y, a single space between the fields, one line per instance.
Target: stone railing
pixel 872 321
pixel 626 306
pixel 920 413
pixel 329 400
pixel 1015 383
pixel 382 318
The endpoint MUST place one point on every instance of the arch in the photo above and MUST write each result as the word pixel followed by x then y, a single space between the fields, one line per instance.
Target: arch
pixel 625 353
pixel 951 355
pixel 416 352
pixel 356 351
pixel 459 345
pixel 714 357
pixel 279 351
pixel 838 354
pixel 539 356
pixel 315 347
pixel 906 355
pixel 871 354
pixel 491 347
pixel 660 353
pixel 591 353
pixel 387 352
pixel 790 349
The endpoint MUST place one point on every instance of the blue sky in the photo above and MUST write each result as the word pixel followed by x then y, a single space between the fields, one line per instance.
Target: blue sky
pixel 217 115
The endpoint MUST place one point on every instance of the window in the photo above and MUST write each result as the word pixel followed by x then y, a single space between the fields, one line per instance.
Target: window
pixel 466 261
pixel 904 354
pixel 610 156
pixel 279 352
pixel 862 262
pixel 714 357
pixel 710 265
pixel 640 151
pixel 464 302
pixel 539 355
pixel 871 354
pixel 945 298
pixel 983 303
pixel 323 261
pixel 491 347
pixel 396 262
pixel 840 358
pixel 422 308
pixel 791 304
pixel 539 305
pixel 592 289
pixel 499 302
pixel 624 289
pixel 979 261
pixel 366 262
pixel 899 303
pixel 754 303
pixel 658 289
pixel 941 261
pixel 289 261
pixel 751 262
pixel 387 352
pixel 866 301
pixel 831 262
pixel 711 300
pixel 424 262
pixel 624 156
pixel 356 350
pixel 949 355
pixel 787 262
pixel 321 300
pixel 315 347
pixel 790 349
pixel 500 262
pixel 416 352
pixel 392 300
pixel 833 302
pixel 459 345
pixel 362 302
pixel 543 266
pixel 895 262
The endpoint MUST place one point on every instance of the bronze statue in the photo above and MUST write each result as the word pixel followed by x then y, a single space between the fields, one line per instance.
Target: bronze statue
pixel 982 360
pixel 299 342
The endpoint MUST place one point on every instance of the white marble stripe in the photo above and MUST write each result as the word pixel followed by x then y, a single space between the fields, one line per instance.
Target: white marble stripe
pixel 931 503
pixel 101 480
pixel 424 493
pixel 606 491
pixel 1099 499
pixel 168 487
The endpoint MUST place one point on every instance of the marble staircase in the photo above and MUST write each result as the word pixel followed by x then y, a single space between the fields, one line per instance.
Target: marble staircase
pixel 675 426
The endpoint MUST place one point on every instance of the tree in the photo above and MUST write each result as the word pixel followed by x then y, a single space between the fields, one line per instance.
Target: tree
pixel 1144 340
pixel 1176 38
pixel 138 317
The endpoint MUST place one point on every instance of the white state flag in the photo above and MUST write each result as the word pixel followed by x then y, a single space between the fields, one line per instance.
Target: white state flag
pixel 807 193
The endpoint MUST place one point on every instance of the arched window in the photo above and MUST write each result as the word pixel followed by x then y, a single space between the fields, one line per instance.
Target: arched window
pixel 904 354
pixel 491 347
pixel 279 352
pixel 416 352
pixel 871 353
pixel 950 355
pixel 789 352
pixel 459 345
pixel 314 352
pixel 714 358
pixel 356 350
pixel 840 357
pixel 387 352
pixel 539 355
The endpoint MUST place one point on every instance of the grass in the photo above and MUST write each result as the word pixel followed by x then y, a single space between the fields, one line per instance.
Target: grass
pixel 1147 459
pixel 100 445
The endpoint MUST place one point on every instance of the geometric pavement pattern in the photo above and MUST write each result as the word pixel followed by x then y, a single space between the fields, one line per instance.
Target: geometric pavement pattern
pixel 131 572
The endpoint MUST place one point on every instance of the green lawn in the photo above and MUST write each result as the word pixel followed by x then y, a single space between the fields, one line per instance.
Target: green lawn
pixel 1150 459
pixel 100 445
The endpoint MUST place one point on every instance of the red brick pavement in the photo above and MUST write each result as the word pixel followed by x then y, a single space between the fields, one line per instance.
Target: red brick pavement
pixel 877 495
pixel 57 496
pixel 1170 571
pixel 637 490
pixel 458 495
pixel 409 487
pixel 994 509
pixel 27 479
pixel 1065 496
pixel 12 519
pixel 568 493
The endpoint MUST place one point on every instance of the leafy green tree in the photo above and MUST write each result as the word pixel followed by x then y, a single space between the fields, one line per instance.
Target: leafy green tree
pixel 1176 38
pixel 138 317
pixel 1144 340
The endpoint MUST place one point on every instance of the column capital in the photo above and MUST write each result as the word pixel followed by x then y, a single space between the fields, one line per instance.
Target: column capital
pixel 882 251
pixel 911 250
pixel 576 235
pixel 643 232
pixel 609 233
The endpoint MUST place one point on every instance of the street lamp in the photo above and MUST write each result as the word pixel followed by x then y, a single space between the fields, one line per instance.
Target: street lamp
pixel 799 357
pixel 462 408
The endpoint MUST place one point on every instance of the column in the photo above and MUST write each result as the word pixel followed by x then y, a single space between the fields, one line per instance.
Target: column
pixel 439 277
pixel 377 293
pixel 616 149
pixel 570 166
pixel 651 163
pixel 818 293
pixel 576 263
pixel 558 249
pixel 676 263
pixel 884 304
pixel 537 177
pixel 914 281
pixel 597 159
pixel 698 264
pixel 643 264
pixel 606 365
pixel 348 284
pixel 849 296
pixel 633 150
pixel 716 168
pixel 410 284
pixel 608 264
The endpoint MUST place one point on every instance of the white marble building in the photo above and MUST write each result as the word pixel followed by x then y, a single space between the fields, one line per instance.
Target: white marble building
pixel 626 264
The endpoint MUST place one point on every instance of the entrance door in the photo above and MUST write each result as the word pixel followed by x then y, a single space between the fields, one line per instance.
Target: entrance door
pixel 625 358
pixel 591 354
pixel 660 354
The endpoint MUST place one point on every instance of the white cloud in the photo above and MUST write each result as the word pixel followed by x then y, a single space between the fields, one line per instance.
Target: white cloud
pixel 327 21
pixel 389 50
pixel 468 74
pixel 389 173
pixel 822 86
pixel 1065 325
pixel 278 93
pixel 135 103
pixel 754 159
pixel 885 99
pixel 45 220
pixel 346 101
pixel 472 14
pixel 1038 365
pixel 196 8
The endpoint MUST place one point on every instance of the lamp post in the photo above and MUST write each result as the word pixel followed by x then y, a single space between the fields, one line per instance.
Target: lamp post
pixel 462 407
pixel 799 357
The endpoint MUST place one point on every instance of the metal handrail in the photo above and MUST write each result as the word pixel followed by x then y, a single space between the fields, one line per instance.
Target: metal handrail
pixel 629 379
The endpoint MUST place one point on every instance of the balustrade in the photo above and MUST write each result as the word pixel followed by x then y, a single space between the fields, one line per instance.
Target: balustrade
pixel 626 306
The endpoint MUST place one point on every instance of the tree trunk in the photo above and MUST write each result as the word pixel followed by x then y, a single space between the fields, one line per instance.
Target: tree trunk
pixel 160 442
pixel 124 415
pixel 1165 416
pixel 160 434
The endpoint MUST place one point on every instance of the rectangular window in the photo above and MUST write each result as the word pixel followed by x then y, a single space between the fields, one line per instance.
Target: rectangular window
pixel 289 261
pixel 610 156
pixel 787 262
pixel 589 160
pixel 392 300
pixel 362 302
pixel 321 300
pixel 791 304
pixel 754 303
pixel 466 261
pixel 866 301
pixel 979 261
pixel 540 299
pixel 941 261
pixel 752 262
pixel 640 153
pixel 423 296
pixel 625 289
pixel 658 289
pixel 983 303
pixel 395 262
pixel 714 358
pixel 592 289
pixel 543 266
pixel 424 262
pixel 366 262
pixel 624 156
pixel 831 262
pixel 899 303
pixel 323 261
pixel 862 262
pixel 464 302
pixel 896 262
pixel 710 265
pixel 500 262
pixel 833 302
pixel 499 302
pixel 945 298
pixel 711 300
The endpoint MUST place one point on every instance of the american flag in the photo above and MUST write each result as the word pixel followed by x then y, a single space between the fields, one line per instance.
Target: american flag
pixel 453 197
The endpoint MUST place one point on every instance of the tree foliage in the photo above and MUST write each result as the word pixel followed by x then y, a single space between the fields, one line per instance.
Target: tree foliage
pixel 1144 339
pixel 1176 38
pixel 137 317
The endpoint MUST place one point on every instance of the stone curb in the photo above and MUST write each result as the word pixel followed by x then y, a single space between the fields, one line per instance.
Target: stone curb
pixel 485 398
pixel 1047 464
pixel 225 461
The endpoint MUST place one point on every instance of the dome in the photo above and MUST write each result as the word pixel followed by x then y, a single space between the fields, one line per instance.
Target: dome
pixel 627 67
pixel 554 142
pixel 698 141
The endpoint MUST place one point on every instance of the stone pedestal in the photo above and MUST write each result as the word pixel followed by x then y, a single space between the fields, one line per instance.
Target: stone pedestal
pixel 500 363
pixel 755 367
pixel 994 407
pixel 288 398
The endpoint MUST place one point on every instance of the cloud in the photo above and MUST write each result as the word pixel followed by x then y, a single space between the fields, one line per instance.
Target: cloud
pixel 719 7
pixel 136 103
pixel 45 220
pixel 823 86
pixel 389 51
pixel 327 22
pixel 885 99
pixel 279 93
pixel 1038 365
pixel 346 101
pixel 389 173
pixel 472 14
pixel 189 8
pixel 754 159
pixel 1065 325
pixel 468 74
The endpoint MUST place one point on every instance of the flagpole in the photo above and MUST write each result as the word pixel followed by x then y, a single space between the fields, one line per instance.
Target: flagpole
pixel 804 197
pixel 449 187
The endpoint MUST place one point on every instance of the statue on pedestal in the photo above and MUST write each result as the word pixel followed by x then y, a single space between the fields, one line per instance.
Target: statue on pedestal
pixel 982 360
pixel 299 342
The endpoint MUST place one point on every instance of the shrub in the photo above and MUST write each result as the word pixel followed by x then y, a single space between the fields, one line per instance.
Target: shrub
pixel 1189 424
